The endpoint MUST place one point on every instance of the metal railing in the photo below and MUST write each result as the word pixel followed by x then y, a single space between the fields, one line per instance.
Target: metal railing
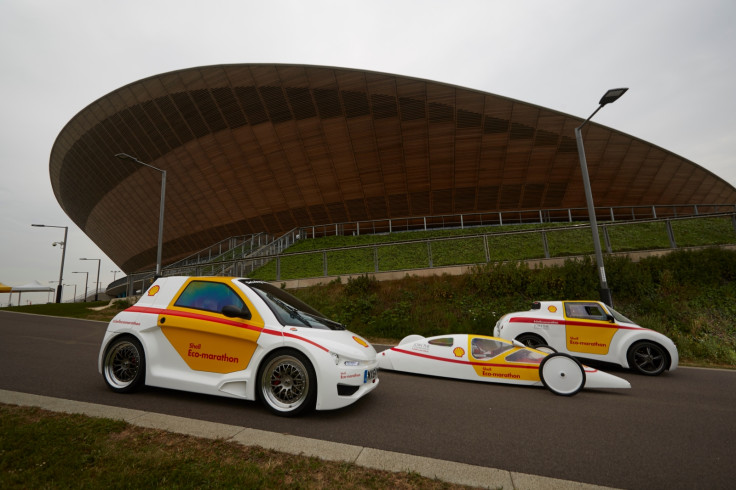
pixel 500 218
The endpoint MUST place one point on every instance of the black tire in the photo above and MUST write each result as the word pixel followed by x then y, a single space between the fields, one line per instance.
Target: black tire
pixel 124 365
pixel 287 383
pixel 648 358
pixel 562 374
pixel 531 340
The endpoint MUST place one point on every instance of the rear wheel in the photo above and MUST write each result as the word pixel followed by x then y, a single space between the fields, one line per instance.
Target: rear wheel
pixel 648 358
pixel 124 365
pixel 562 374
pixel 531 340
pixel 287 383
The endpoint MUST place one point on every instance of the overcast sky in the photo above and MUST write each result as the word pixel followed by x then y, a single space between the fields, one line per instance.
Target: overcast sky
pixel 56 57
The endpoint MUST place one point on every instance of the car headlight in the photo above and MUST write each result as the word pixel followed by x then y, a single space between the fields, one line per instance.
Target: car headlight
pixel 347 362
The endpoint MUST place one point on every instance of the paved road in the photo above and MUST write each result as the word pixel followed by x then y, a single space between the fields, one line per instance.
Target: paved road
pixel 674 431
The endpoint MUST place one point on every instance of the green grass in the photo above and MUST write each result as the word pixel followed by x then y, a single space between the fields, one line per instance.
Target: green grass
pixel 41 449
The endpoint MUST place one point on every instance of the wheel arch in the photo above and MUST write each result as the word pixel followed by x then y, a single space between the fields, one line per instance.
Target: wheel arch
pixel 311 355
pixel 113 336
pixel 637 340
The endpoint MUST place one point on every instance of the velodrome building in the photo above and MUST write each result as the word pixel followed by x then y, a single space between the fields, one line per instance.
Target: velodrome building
pixel 253 148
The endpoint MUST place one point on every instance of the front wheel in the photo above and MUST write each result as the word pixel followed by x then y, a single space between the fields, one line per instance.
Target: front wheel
pixel 287 383
pixel 124 365
pixel 562 374
pixel 647 358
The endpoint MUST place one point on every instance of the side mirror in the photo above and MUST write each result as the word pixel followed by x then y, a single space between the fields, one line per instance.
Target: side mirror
pixel 610 319
pixel 232 311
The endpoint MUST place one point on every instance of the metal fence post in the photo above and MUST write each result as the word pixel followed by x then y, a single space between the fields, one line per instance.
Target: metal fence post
pixel 324 263
pixel 670 234
pixel 485 248
pixel 429 253
pixel 375 258
pixel 546 246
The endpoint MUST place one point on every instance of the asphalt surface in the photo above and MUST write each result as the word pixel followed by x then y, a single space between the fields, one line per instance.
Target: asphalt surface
pixel 672 431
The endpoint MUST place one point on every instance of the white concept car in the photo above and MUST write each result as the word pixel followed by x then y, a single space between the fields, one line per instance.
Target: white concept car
pixel 237 338
pixel 590 330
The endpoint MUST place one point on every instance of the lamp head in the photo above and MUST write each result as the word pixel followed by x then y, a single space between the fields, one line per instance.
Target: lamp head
pixel 612 95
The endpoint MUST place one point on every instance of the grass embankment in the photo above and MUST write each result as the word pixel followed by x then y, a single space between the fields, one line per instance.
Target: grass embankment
pixel 41 449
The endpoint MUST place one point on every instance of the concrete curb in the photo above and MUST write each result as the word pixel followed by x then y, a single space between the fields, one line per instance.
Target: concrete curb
pixel 448 471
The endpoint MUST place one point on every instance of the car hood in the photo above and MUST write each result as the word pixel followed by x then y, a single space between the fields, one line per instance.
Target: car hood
pixel 343 342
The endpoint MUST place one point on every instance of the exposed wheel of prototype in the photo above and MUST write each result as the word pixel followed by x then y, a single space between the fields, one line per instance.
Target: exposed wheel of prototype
pixel 124 365
pixel 287 383
pixel 546 348
pixel 531 340
pixel 648 358
pixel 562 374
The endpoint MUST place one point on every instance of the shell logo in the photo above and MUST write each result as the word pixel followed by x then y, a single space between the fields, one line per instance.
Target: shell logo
pixel 552 308
pixel 154 290
pixel 360 341
pixel 458 351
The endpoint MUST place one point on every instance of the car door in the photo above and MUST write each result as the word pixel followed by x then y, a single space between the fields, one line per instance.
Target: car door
pixel 203 337
pixel 588 328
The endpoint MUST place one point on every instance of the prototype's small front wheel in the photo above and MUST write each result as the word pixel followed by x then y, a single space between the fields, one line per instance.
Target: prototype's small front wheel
pixel 287 383
pixel 562 374
pixel 124 365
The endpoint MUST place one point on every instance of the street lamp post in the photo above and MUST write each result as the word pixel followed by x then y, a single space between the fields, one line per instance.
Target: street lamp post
pixel 114 273
pixel 97 283
pixel 63 254
pixel 86 279
pixel 605 293
pixel 125 156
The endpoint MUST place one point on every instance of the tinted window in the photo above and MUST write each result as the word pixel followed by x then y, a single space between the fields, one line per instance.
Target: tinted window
pixel 208 296
pixel 526 356
pixel 592 311
pixel 485 348
pixel 443 342
pixel 291 310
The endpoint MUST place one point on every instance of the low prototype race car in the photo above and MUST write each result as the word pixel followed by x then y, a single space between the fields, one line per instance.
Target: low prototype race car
pixel 590 330
pixel 237 338
pixel 494 360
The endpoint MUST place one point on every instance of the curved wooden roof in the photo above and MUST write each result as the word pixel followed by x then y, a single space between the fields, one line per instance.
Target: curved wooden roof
pixel 265 148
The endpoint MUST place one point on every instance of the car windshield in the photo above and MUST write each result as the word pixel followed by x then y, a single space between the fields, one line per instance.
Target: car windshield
pixel 618 316
pixel 290 310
